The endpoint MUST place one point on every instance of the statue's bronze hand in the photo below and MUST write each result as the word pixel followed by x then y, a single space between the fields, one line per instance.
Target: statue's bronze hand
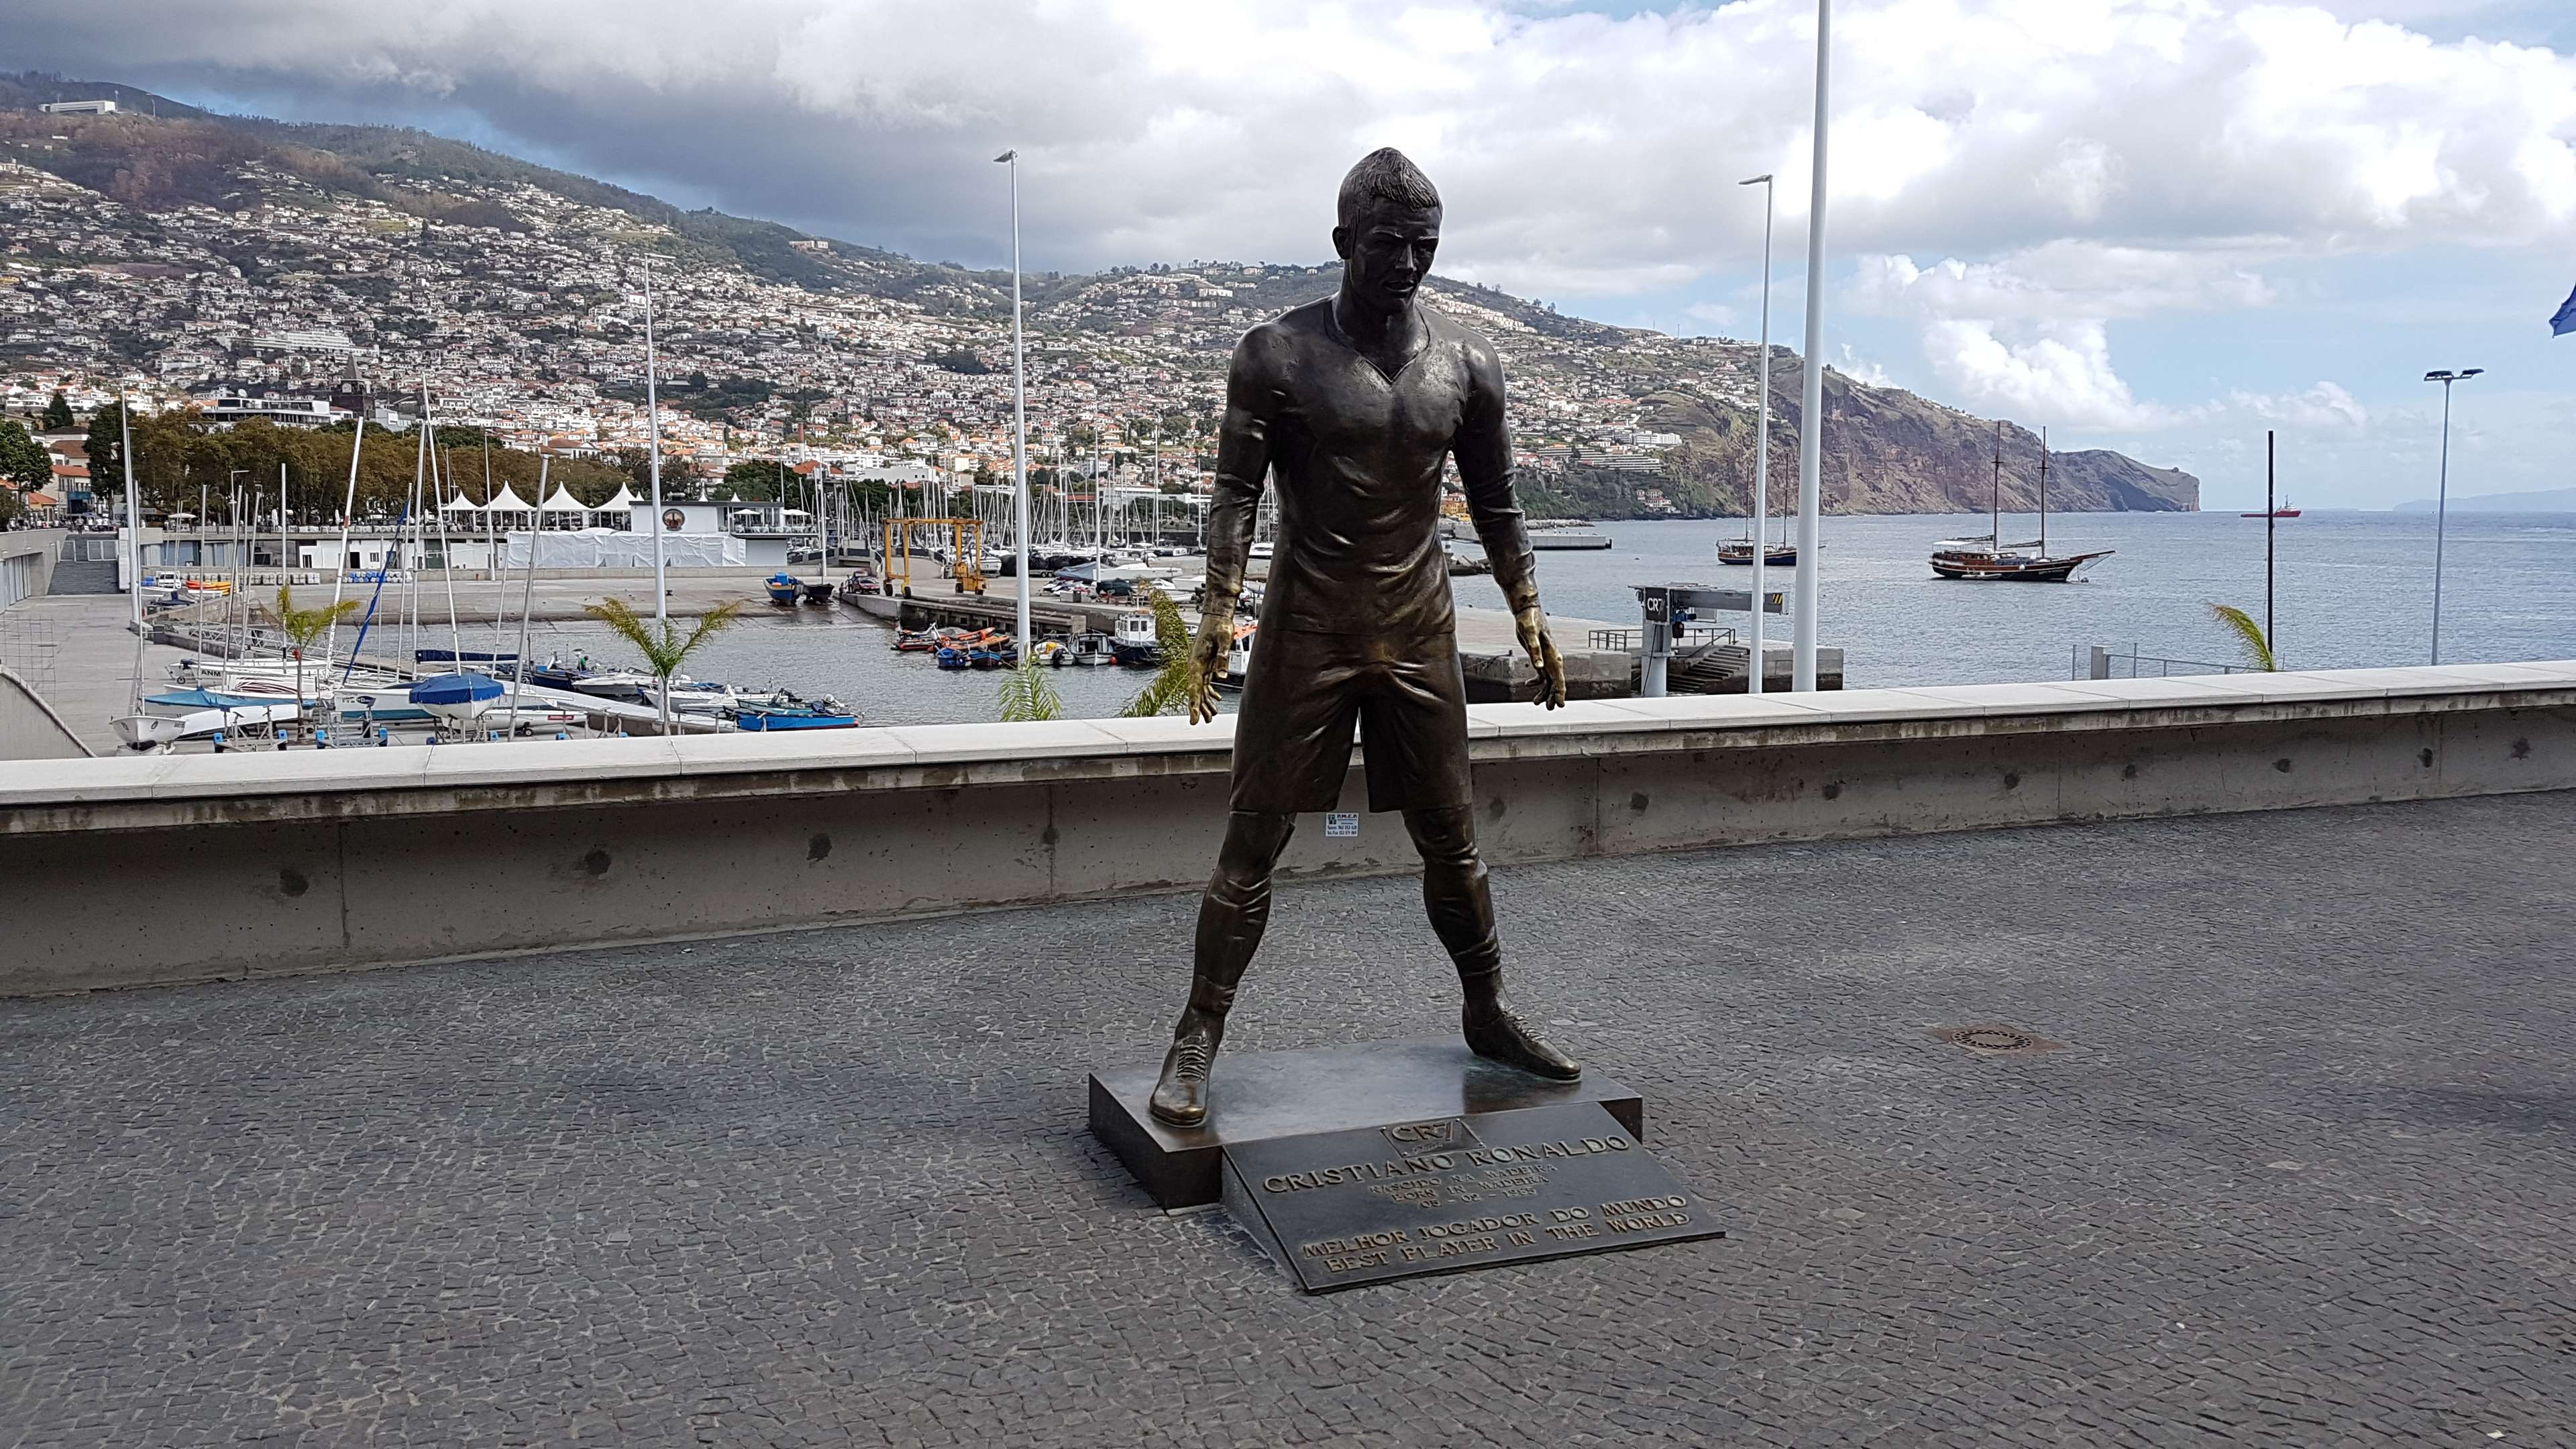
pixel 1543 656
pixel 1207 661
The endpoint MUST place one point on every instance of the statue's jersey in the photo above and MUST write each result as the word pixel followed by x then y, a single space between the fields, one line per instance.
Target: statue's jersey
pixel 1356 455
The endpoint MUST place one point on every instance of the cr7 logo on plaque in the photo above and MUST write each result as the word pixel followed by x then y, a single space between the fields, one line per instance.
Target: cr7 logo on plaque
pixel 1445 1132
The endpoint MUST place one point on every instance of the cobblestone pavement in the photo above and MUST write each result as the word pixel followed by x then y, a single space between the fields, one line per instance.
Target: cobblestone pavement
pixel 2305 1172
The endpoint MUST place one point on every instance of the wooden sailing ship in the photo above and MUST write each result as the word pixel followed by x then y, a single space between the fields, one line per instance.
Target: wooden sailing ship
pixel 1987 556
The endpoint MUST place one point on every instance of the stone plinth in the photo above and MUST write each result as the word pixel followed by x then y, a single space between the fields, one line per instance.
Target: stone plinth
pixel 1262 1096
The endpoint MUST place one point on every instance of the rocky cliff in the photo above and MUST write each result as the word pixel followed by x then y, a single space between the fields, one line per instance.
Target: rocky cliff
pixel 1886 451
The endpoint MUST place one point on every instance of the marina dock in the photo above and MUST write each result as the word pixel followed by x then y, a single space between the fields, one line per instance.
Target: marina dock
pixel 74 653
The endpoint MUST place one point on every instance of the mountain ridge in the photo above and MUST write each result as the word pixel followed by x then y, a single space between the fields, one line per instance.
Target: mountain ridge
pixel 1887 450
pixel 2539 500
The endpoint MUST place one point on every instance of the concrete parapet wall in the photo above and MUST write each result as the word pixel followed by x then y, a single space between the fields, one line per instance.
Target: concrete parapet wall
pixel 29 728
pixel 27 562
pixel 137 871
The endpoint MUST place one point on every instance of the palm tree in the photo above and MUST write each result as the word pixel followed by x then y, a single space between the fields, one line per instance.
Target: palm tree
pixel 1169 689
pixel 2249 634
pixel 659 642
pixel 303 626
pixel 1026 694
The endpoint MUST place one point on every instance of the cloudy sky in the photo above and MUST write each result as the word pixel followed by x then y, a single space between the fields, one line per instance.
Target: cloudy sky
pixel 2157 225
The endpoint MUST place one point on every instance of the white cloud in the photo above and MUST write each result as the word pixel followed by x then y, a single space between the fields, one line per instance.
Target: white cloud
pixel 2060 279
pixel 1713 317
pixel 2060 374
pixel 1862 369
pixel 1581 153
pixel 2030 332
pixel 2018 178
pixel 2326 405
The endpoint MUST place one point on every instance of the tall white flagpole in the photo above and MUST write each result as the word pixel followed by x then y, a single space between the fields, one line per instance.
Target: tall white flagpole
pixel 1811 410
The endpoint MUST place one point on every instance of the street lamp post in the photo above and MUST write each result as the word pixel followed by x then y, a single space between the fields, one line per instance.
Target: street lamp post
pixel 1019 419
pixel 2442 505
pixel 653 439
pixel 1761 443
pixel 1811 410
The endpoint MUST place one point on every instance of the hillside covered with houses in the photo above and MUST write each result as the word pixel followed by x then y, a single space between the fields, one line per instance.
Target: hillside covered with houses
pixel 249 270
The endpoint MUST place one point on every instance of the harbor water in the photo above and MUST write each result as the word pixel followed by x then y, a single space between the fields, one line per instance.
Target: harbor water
pixel 2352 589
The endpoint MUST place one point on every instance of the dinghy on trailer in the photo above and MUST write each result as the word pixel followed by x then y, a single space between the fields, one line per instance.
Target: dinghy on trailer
pixel 458 698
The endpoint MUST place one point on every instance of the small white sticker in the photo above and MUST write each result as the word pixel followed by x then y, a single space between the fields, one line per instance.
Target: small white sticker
pixel 1341 825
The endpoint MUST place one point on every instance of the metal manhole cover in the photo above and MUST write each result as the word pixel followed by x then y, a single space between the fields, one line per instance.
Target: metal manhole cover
pixel 1994 1041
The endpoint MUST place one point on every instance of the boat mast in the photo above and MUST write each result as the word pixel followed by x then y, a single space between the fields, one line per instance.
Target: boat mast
pixel 1995 505
pixel 348 513
pixel 2043 492
pixel 285 551
pixel 446 568
pixel 527 604
pixel 233 599
pixel 492 544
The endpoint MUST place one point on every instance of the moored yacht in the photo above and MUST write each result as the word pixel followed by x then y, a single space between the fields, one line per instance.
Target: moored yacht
pixel 1134 640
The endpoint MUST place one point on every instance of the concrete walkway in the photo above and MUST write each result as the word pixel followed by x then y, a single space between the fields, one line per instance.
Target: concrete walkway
pixel 2302 1173
pixel 76 652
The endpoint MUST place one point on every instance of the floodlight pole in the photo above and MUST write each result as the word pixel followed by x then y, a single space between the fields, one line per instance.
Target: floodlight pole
pixel 1753 680
pixel 1019 418
pixel 1811 412
pixel 2442 503
pixel 653 437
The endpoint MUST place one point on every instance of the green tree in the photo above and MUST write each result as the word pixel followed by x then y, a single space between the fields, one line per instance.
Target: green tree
pixel 752 480
pixel 23 461
pixel 58 414
pixel 660 642
pixel 107 450
pixel 1027 696
pixel 2249 636
pixel 304 627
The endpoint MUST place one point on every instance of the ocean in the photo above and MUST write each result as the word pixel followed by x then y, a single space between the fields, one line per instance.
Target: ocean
pixel 2351 589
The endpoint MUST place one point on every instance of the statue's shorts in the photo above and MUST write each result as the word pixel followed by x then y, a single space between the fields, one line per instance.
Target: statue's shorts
pixel 1292 736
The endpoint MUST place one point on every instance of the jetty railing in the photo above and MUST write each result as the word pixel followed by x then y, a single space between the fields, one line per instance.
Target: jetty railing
pixel 1688 636
pixel 2097 661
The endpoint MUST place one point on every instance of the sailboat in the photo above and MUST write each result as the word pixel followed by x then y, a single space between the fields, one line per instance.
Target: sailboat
pixel 1740 550
pixel 136 729
pixel 1987 556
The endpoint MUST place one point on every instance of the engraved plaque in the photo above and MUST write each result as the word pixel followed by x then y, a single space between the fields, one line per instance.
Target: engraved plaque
pixel 1447 1194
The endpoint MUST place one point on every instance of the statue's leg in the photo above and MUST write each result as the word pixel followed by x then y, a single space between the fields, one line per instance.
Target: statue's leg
pixel 1231 917
pixel 1462 915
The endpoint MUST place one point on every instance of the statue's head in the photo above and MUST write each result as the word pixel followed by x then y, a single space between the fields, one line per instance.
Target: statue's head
pixel 1387 228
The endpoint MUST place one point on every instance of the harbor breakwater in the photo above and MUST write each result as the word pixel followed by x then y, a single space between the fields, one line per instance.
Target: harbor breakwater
pixel 326 860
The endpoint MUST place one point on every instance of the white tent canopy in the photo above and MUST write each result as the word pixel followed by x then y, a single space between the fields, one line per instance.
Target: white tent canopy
pixel 461 504
pixel 624 502
pixel 509 501
pixel 562 501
